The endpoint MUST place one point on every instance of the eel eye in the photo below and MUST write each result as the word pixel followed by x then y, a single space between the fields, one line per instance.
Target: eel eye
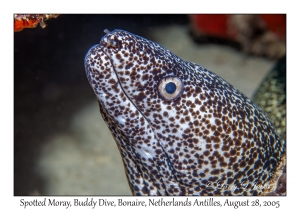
pixel 170 88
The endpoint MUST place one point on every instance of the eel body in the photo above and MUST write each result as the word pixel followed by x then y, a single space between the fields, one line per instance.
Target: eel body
pixel 180 129
pixel 271 96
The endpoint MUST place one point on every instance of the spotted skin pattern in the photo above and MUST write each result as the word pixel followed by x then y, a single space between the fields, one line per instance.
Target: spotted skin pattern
pixel 209 136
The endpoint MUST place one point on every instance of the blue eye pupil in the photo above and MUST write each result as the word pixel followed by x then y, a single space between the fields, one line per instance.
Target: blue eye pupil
pixel 170 88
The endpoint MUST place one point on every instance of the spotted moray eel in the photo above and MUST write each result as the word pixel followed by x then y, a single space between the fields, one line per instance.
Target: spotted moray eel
pixel 180 129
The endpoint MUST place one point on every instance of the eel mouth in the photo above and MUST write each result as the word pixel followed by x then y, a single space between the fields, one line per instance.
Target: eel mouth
pixel 109 45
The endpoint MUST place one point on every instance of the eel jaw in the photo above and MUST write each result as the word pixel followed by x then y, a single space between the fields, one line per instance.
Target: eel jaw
pixel 144 157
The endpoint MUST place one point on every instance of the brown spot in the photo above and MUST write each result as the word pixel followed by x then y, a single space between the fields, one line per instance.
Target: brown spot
pixel 218 122
pixel 197 101
pixel 216 133
pixel 215 172
pixel 216 146
pixel 165 114
pixel 206 153
pixel 141 96
pixel 206 132
pixel 213 179
pixel 203 109
pixel 232 152
pixel 145 77
pixel 223 164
